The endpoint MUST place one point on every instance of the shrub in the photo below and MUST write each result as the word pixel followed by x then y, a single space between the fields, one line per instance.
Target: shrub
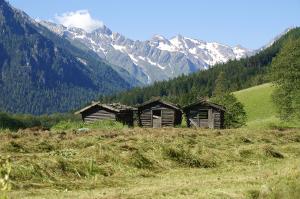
pixel 235 115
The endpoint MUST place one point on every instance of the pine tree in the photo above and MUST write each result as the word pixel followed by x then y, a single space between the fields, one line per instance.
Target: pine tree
pixel 220 85
pixel 285 74
pixel 235 115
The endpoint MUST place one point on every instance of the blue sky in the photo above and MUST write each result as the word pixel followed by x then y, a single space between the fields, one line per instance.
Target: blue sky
pixel 251 23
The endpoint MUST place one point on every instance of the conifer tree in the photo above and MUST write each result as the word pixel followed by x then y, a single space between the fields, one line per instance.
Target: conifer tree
pixel 235 115
pixel 285 74
pixel 220 85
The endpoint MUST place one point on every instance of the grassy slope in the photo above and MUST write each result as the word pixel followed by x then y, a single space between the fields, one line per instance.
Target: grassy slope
pixel 159 163
pixel 259 107
pixel 258 104
pixel 154 163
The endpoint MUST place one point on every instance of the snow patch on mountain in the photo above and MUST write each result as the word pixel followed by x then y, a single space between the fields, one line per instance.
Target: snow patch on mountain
pixel 153 60
pixel 120 48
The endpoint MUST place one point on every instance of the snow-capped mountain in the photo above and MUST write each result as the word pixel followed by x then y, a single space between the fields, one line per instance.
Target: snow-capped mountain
pixel 152 60
pixel 270 43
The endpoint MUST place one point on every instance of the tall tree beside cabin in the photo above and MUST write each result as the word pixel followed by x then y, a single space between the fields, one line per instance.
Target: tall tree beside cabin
pixel 285 74
pixel 220 85
pixel 235 115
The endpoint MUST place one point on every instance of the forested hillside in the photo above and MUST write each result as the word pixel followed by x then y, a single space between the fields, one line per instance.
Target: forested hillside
pixel 240 74
pixel 42 73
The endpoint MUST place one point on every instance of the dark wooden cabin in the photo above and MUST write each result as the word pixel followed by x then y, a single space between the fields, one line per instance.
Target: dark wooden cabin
pixel 204 114
pixel 158 113
pixel 116 112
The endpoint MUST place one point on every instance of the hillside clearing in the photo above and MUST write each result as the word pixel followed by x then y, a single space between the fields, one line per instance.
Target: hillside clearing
pixel 258 102
pixel 148 163
pixel 259 107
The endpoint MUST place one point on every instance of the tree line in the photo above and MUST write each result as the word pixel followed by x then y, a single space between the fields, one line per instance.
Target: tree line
pixel 278 63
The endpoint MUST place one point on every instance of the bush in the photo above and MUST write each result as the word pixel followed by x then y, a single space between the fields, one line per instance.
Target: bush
pixel 235 115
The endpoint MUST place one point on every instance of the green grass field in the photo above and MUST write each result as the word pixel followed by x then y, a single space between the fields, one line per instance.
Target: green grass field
pixel 107 160
pixel 153 163
pixel 257 101
pixel 259 107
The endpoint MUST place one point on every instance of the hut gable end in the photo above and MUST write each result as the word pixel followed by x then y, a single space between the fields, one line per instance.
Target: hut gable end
pixel 158 113
pixel 98 113
pixel 204 114
pixel 114 112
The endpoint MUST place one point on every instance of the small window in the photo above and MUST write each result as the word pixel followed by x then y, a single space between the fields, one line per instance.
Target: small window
pixel 203 114
pixel 156 113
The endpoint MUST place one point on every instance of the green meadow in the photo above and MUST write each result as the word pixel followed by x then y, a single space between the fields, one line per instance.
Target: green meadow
pixel 153 163
pixel 261 111
pixel 108 160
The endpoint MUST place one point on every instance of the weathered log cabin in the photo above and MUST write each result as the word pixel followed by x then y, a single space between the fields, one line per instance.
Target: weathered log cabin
pixel 204 114
pixel 115 112
pixel 157 113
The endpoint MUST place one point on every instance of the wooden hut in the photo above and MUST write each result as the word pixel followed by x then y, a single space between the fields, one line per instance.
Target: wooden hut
pixel 204 114
pixel 157 113
pixel 116 112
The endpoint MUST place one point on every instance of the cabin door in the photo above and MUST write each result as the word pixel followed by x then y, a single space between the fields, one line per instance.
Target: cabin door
pixel 156 118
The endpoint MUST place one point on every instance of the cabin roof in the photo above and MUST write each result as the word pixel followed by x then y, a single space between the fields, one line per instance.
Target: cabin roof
pixel 115 107
pixel 204 102
pixel 174 106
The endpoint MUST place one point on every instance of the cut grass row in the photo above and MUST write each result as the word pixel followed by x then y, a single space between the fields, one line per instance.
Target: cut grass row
pixel 147 163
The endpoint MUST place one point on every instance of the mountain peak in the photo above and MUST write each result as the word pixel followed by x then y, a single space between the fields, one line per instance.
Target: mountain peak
pixel 46 68
pixel 179 37
pixel 158 58
pixel 103 30
pixel 241 47
pixel 158 37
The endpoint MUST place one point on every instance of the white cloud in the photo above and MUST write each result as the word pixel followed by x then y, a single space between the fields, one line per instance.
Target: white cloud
pixel 79 19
